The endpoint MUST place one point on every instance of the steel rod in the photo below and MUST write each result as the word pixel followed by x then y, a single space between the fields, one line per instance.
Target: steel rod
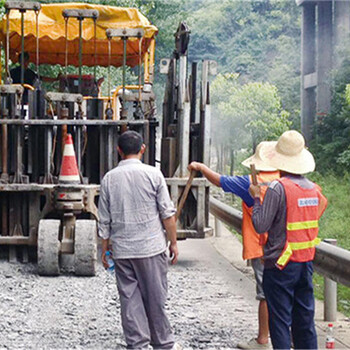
pixel 124 72
pixel 80 52
pixel 140 68
pixel 4 153
pixel 37 44
pixel 66 46
pixel 7 51
pixel 22 47
pixel 109 69
pixel 95 48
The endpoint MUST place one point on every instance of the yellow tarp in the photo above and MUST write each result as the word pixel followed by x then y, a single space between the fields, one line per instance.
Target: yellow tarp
pixel 52 34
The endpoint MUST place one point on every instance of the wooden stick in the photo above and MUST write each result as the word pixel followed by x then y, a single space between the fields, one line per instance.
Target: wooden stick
pixel 253 171
pixel 185 193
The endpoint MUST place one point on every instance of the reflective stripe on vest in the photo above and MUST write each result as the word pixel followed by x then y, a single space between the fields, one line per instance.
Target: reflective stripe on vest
pixel 284 258
pixel 302 225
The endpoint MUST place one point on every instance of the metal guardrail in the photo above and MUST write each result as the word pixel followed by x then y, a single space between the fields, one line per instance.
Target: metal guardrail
pixel 330 261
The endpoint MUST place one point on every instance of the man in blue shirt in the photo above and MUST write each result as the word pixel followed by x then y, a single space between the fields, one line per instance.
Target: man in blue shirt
pixel 252 244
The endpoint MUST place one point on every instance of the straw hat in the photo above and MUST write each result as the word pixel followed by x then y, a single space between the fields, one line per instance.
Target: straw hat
pixel 256 159
pixel 289 154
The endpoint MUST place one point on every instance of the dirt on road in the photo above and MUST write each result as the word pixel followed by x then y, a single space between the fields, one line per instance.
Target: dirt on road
pixel 210 305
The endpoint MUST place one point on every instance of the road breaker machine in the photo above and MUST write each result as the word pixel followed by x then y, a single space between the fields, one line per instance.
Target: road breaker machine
pixel 52 215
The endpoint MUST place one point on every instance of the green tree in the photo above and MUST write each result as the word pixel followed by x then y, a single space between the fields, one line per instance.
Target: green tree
pixel 331 145
pixel 260 40
pixel 246 114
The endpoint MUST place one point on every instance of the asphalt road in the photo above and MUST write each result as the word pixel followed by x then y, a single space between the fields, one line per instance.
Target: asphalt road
pixel 211 303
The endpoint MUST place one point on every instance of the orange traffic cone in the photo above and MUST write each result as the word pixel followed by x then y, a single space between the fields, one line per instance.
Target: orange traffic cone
pixel 69 168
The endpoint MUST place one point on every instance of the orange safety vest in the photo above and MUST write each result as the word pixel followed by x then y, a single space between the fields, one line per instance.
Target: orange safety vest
pixel 253 242
pixel 304 208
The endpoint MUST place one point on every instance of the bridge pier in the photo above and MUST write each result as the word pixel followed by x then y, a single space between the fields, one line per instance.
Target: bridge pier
pixel 308 76
pixel 319 17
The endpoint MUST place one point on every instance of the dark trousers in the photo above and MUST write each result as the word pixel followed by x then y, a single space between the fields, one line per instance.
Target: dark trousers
pixel 142 286
pixel 290 300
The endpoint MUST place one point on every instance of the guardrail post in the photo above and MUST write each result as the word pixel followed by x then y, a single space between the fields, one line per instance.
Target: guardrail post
pixel 330 293
pixel 218 227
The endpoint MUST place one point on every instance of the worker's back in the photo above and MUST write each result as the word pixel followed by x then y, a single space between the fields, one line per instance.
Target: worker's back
pixel 138 201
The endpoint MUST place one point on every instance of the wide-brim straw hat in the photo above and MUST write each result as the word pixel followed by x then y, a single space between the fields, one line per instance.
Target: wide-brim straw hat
pixel 256 159
pixel 289 154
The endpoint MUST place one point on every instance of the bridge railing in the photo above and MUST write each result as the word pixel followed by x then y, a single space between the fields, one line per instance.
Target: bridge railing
pixel 330 261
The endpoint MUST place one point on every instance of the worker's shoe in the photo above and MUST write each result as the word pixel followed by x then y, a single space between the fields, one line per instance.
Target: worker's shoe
pixel 177 346
pixel 253 344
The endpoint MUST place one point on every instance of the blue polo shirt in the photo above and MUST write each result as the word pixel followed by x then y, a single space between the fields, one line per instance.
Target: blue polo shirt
pixel 238 185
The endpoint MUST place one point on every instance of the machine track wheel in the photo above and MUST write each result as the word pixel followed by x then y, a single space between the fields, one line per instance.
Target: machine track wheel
pixel 48 247
pixel 85 247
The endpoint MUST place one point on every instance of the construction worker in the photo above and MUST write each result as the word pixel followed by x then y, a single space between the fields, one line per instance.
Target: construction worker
pixel 30 77
pixel 289 213
pixel 252 242
pixel 134 206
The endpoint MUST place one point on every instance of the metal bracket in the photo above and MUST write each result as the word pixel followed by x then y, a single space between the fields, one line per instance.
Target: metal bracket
pixel 125 33
pixel 80 14
pixel 11 89
pixel 22 5
pixel 64 97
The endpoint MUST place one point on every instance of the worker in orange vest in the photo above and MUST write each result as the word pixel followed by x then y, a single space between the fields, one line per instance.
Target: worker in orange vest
pixel 252 242
pixel 290 212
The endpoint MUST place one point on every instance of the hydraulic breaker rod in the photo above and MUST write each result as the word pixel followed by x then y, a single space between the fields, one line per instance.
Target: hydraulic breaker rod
pixel 37 44
pixel 18 178
pixel 7 51
pixel 22 47
pixel 140 69
pixel 47 158
pixel 80 52
pixel 125 34
pixel 124 111
pixel 193 94
pixel 80 15
pixel 4 153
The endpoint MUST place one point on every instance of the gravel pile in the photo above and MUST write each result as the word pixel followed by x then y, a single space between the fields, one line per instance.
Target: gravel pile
pixel 73 312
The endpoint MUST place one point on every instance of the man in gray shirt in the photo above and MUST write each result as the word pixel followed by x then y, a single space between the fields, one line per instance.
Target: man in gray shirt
pixel 134 208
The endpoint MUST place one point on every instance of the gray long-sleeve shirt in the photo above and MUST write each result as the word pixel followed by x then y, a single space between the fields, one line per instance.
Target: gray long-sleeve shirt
pixel 271 217
pixel 134 199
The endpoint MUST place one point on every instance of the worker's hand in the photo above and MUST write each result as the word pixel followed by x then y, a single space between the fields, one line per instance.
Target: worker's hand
pixel 174 253
pixel 254 191
pixel 104 261
pixel 195 166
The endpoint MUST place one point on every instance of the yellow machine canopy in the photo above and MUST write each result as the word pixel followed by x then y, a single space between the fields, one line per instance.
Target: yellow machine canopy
pixel 52 43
